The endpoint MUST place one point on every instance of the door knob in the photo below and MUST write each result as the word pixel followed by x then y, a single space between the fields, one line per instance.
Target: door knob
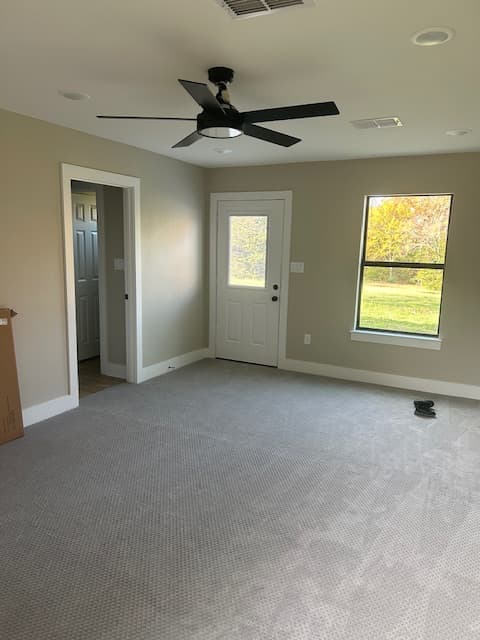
pixel 275 286
pixel 274 298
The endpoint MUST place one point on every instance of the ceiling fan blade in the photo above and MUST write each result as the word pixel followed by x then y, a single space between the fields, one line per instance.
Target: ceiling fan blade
pixel 291 113
pixel 203 96
pixel 145 118
pixel 269 136
pixel 186 142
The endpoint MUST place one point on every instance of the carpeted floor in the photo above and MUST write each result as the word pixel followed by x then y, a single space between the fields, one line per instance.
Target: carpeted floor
pixel 232 502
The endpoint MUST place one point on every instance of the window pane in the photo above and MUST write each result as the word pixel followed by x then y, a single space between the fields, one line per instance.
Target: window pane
pixel 407 228
pixel 248 251
pixel 399 299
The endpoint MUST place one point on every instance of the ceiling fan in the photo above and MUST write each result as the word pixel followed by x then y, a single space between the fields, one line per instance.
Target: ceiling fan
pixel 220 119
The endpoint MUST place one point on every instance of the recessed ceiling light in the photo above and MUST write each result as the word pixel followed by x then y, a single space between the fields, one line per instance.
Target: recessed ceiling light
pixel 74 95
pixel 223 151
pixel 458 132
pixel 432 36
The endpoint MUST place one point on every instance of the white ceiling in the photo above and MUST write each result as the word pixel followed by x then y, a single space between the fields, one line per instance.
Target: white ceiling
pixel 128 54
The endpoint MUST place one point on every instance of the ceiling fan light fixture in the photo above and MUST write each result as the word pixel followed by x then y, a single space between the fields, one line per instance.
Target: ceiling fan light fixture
pixel 220 132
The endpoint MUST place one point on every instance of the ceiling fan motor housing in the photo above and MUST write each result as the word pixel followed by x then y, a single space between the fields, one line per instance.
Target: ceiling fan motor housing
pixel 232 120
pixel 221 77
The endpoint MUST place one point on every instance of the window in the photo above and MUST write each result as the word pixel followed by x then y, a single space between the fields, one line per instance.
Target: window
pixel 247 251
pixel 403 262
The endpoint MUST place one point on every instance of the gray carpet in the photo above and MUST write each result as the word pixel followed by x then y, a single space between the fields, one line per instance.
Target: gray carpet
pixel 233 502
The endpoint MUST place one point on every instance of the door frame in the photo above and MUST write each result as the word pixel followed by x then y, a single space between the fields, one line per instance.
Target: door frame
pixel 215 199
pixel 132 256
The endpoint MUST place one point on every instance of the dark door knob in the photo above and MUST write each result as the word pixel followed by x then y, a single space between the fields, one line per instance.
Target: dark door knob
pixel 275 287
pixel 274 298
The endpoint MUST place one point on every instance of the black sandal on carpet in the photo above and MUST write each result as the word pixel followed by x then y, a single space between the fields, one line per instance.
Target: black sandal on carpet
pixel 423 404
pixel 425 412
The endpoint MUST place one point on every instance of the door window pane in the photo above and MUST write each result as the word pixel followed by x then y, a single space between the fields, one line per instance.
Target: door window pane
pixel 401 299
pixel 247 251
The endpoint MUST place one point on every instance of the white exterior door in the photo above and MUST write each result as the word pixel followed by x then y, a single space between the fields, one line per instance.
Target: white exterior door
pixel 85 244
pixel 249 257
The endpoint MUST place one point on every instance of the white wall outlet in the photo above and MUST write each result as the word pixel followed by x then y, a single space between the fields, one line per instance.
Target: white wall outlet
pixel 307 339
pixel 297 267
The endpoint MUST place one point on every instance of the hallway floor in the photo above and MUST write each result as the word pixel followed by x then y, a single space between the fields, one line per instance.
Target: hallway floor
pixel 90 378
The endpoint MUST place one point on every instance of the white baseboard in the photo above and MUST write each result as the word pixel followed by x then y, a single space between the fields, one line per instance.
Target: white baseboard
pixel 210 352
pixel 48 409
pixel 45 410
pixel 114 370
pixel 167 366
pixel 424 385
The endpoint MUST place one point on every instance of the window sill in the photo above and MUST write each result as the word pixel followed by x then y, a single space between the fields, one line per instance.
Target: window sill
pixel 397 339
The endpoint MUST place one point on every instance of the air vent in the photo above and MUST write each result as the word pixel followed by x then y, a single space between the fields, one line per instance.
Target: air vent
pixel 282 4
pixel 250 8
pixel 377 123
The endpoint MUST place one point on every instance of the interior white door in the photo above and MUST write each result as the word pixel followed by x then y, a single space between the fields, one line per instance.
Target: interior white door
pixel 85 243
pixel 249 261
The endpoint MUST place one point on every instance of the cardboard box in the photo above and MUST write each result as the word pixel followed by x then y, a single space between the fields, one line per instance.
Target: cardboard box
pixel 11 422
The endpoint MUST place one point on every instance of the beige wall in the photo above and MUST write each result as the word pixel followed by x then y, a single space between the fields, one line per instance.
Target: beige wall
pixel 328 202
pixel 31 247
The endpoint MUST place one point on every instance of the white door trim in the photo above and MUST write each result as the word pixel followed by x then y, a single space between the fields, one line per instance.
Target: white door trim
pixel 133 276
pixel 215 198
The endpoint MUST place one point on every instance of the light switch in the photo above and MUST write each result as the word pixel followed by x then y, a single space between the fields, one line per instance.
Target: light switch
pixel 297 267
pixel 118 264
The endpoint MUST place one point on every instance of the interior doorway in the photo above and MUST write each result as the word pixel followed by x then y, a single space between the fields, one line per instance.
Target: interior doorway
pixel 98 245
pixel 107 329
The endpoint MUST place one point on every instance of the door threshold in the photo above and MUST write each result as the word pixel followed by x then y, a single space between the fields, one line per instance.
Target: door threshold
pixel 257 364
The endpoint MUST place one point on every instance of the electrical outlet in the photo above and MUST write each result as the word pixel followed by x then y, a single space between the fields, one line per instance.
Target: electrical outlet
pixel 307 339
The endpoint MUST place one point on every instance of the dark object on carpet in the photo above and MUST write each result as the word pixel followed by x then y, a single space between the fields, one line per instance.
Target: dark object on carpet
pixel 424 408
pixel 423 404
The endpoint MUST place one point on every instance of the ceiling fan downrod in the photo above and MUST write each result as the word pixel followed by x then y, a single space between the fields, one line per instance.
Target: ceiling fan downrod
pixel 221 77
